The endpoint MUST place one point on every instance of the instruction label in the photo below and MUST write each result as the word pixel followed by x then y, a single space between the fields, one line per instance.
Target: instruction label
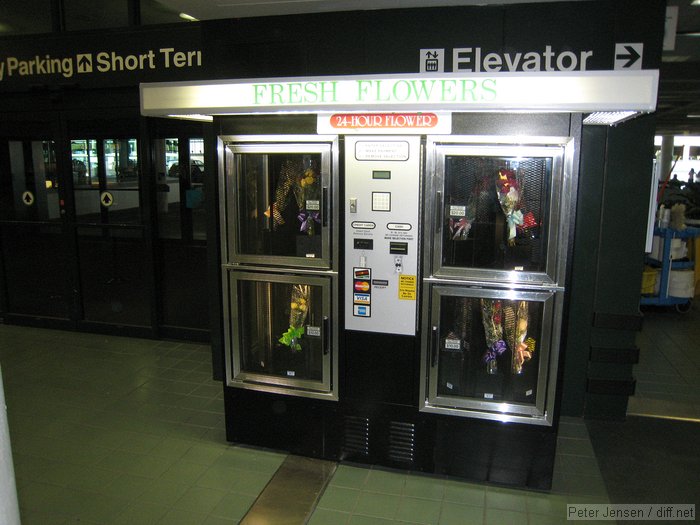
pixel 407 287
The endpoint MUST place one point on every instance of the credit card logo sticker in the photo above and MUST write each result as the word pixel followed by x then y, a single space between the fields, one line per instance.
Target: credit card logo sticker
pixel 361 286
pixel 361 310
pixel 361 298
pixel 362 273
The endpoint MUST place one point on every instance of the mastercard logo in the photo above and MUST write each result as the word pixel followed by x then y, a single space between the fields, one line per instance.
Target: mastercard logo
pixel 361 286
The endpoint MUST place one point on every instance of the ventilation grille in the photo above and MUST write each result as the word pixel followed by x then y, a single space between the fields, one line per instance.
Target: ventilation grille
pixel 356 436
pixel 402 442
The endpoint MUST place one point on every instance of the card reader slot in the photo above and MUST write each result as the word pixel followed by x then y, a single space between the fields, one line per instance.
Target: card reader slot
pixel 398 248
pixel 363 244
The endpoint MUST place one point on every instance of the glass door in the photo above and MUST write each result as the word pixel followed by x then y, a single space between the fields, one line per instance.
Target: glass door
pixel 496 212
pixel 491 353
pixel 34 247
pixel 281 334
pixel 181 241
pixel 114 255
pixel 279 199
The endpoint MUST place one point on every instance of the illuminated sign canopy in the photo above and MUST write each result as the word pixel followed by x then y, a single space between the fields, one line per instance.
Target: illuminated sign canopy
pixel 585 91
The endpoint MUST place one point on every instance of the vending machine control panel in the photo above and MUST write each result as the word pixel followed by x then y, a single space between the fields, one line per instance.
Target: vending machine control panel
pixel 382 190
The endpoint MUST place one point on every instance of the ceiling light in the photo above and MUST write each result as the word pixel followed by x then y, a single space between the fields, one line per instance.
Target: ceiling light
pixel 187 17
pixel 675 58
pixel 194 116
pixel 695 2
pixel 608 118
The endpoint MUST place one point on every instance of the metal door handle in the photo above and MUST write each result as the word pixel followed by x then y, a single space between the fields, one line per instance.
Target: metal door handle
pixel 326 205
pixel 434 347
pixel 438 214
pixel 326 335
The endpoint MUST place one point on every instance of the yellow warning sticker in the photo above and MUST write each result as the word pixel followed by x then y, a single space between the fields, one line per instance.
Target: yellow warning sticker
pixel 407 287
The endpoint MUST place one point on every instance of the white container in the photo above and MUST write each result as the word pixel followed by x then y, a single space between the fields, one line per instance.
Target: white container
pixel 681 283
pixel 679 248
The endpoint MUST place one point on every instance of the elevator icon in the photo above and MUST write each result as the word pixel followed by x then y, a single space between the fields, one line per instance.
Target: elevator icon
pixel 432 60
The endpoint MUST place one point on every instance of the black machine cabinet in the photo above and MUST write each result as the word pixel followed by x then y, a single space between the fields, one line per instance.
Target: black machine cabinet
pixel 471 392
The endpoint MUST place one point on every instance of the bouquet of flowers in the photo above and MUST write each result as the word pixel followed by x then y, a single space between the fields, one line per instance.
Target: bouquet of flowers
pixel 307 193
pixel 288 175
pixel 508 191
pixel 491 317
pixel 461 219
pixel 515 320
pixel 303 184
pixel 298 310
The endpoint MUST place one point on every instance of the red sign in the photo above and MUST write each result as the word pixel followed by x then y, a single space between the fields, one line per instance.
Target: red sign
pixel 383 120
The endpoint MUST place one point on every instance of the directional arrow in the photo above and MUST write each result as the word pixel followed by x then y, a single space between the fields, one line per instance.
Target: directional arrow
pixel 628 56
pixel 84 62
pixel 28 198
pixel 632 56
pixel 106 199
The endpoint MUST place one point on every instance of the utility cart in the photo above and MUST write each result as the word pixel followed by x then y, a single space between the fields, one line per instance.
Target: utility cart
pixel 667 263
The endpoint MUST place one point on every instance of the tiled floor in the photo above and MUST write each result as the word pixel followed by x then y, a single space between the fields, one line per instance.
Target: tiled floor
pixel 108 430
pixel 668 373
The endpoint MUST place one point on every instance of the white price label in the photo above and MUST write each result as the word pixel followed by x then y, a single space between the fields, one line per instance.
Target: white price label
pixel 458 211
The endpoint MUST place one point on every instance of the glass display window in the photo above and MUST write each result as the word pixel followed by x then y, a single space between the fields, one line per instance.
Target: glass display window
pixel 496 212
pixel 280 333
pixel 489 351
pixel 278 204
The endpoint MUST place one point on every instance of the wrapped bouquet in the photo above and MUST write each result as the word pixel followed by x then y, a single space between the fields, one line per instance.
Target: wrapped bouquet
pixel 307 195
pixel 298 310
pixel 491 316
pixel 508 191
pixel 515 321
pixel 303 183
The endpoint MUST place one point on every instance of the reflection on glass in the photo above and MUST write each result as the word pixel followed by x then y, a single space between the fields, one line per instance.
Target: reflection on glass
pixel 109 14
pixel 168 188
pixel 488 348
pixel 195 193
pixel 281 329
pixel 121 162
pixel 180 192
pixel 86 183
pixel 494 214
pixel 30 192
pixel 84 163
pixel 280 204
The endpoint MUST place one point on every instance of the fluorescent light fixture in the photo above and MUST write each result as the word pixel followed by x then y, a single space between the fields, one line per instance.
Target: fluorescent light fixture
pixel 675 58
pixel 189 18
pixel 693 115
pixel 586 91
pixel 608 118
pixel 695 2
pixel 194 116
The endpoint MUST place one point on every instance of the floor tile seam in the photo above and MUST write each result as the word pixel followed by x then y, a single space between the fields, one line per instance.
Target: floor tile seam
pixel 70 488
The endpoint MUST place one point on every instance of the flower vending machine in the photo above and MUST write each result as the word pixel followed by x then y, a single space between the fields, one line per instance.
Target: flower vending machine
pixel 279 265
pixel 497 213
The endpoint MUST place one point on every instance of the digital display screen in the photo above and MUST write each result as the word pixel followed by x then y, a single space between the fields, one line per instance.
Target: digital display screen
pixel 381 174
